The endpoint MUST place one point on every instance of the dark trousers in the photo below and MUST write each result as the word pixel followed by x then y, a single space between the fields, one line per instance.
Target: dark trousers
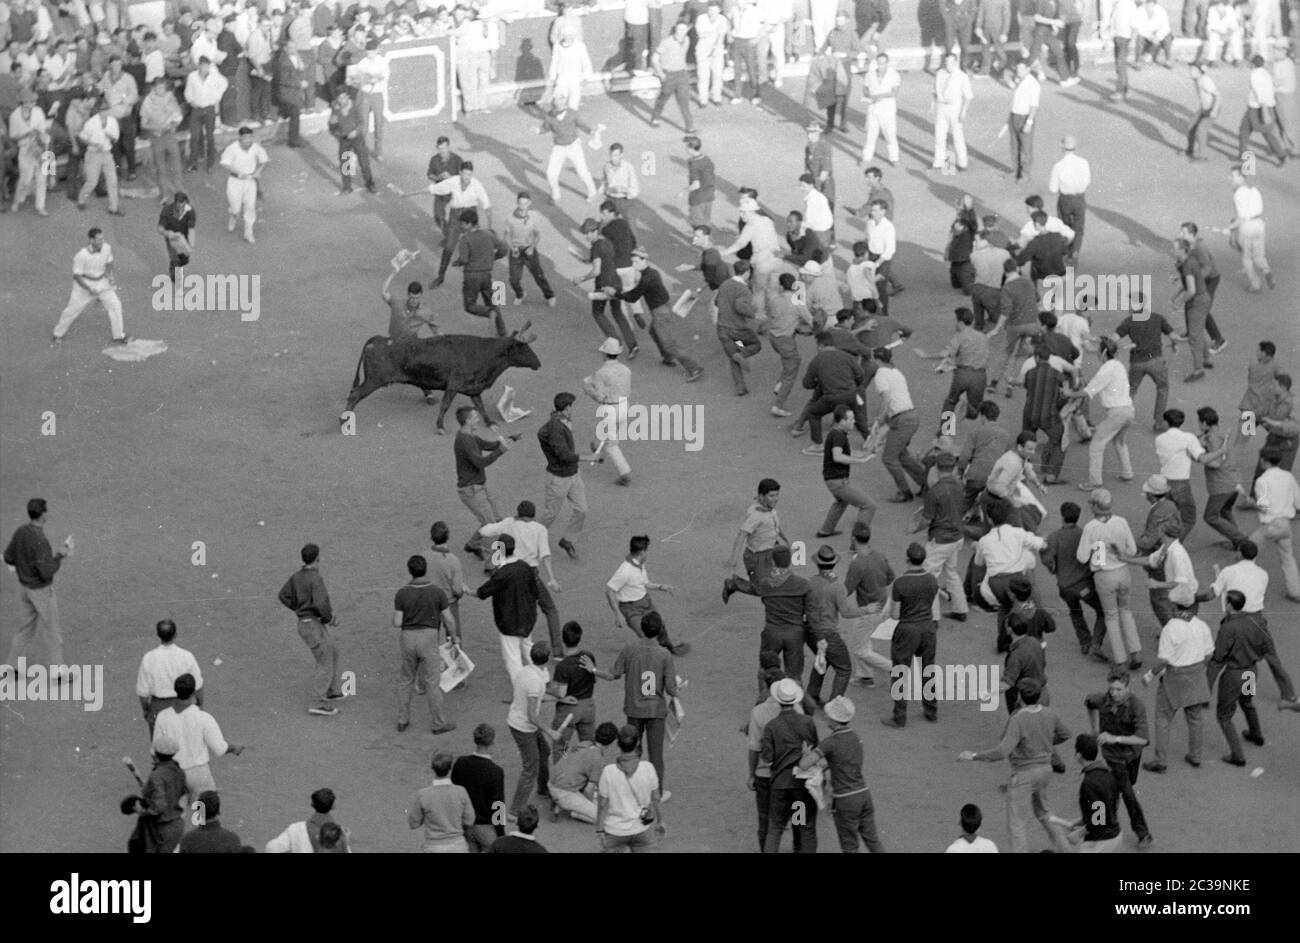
pixel 1074 597
pixel 661 332
pixel 855 819
pixel 636 45
pixel 841 105
pixel 1022 145
pixel 203 130
pixel 652 740
pixel 898 461
pixel 1231 695
pixel 961 275
pixel 837 658
pixel 124 148
pixel 451 241
pixel 787 644
pixel 986 305
pixel 1000 586
pixel 740 341
pixel 1072 208
pixel 1158 371
pixel 970 381
pixel 791 806
pixel 1180 492
pixel 259 98
pixel 1045 38
pixel 1161 607
pixel 744 55
pixel 602 321
pixel 763 803
pixel 1053 455
pixel 911 640
pixel 1070 44
pixel 1218 514
pixel 294 114
pixel 823 404
pixel 1255 120
pixel 230 102
pixel 532 260
pixel 1126 775
pixel 1121 65
pixel 360 161
pixel 1198 135
pixel 634 612
pixel 546 603
pixel 535 771
pixel 476 294
pixel 676 85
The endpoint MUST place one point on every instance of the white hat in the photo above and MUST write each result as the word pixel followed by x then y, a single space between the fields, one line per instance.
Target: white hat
pixel 787 691
pixel 1182 595
pixel 611 347
pixel 840 709
pixel 811 267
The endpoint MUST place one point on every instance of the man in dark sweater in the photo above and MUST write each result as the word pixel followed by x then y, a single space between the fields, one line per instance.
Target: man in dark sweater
pixel 912 597
pixel 1098 800
pixel 650 286
pixel 473 456
pixel 786 600
pixel 836 379
pixel 480 776
pixel 1074 579
pixel 563 480
pixel 514 593
pixel 520 841
pixel 160 825
pixel 785 738
pixel 1046 252
pixel 29 553
pixel 735 304
pixel 479 250
pixel 305 594
pixel 1119 721
pixel 210 838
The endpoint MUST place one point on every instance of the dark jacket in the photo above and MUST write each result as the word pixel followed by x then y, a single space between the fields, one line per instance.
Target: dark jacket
pixel 1098 802
pixel 30 554
pixel 556 439
pixel 514 591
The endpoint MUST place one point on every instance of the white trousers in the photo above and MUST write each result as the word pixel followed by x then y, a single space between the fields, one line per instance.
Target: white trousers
pixel 241 198
pixel 568 154
pixel 710 76
pixel 77 303
pixel 515 651
pixel 882 121
pixel 945 120
pixel 615 455
pixel 31 178
pixel 823 20
pixel 575 803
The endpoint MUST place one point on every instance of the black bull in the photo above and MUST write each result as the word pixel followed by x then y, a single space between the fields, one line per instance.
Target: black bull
pixel 455 363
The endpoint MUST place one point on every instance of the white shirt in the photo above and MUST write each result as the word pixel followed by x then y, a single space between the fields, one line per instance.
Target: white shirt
pixel 1070 175
pixel 293 840
pixel 1262 93
pixel 18 125
pixel 1111 381
pixel 529 684
pixel 1028 231
pixel 1178 565
pixel 237 160
pixel 1185 642
pixel 531 543
pixel 1248 202
pixel 92 266
pixel 636 12
pixel 1053 361
pixel 161 666
pixel 1116 542
pixel 1152 22
pixel 1277 495
pixel 746 21
pixel 1025 95
pixel 710 36
pixel 196 732
pixel 462 196
pixel 99 132
pixel 1221 18
pixel 1075 327
pixel 1247 577
pixel 629 582
pixel 1003 549
pixel 1123 18
pixel 1176 449
pixel 979 845
pixel 861 279
pixel 626 796
pixel 817 213
pixel 952 89
pixel 882 238
pixel 370 74
pixel 895 397
pixel 875 84
pixel 155 66
pixel 204 46
pixel 205 92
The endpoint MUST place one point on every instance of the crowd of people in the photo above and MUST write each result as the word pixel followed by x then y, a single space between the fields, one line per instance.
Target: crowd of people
pixel 980 482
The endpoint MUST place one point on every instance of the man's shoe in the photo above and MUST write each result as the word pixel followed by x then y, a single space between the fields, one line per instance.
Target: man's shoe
pixel 796 431
pixel 956 616
pixel 779 412
pixel 1134 662
pixel 436 283
pixel 890 722
pixel 445 728
pixel 1145 842
pixel 1216 348
pixel 1058 764
pixel 475 551
pixel 1257 739
pixel 681 648
pixel 1192 761
pixel 624 480
pixel 632 352
pixel 123 340
pixel 728 589
pixel 567 546
pixel 932 718
pixel 55 341
pixel 323 711
pixel 900 498
pixel 867 681
pixel 813 450
pixel 335 696
pixel 117 212
pixel 829 533
pixel 1292 597
pixel 1151 766
pixel 1268 276
pixel 1194 376
pixel 1233 760
pixel 402 725
pixel 552 301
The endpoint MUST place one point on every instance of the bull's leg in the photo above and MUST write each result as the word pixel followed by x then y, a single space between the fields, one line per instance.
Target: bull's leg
pixel 477 400
pixel 368 386
pixel 447 397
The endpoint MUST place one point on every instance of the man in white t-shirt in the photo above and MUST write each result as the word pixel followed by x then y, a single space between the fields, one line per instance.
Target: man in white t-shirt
pixel 1277 496
pixel 1177 449
pixel 1245 576
pixel 244 160
pixel 627 806
pixel 198 735
pixel 531 736
pixel 627 593
pixel 155 683
pixel 92 277
pixel 971 842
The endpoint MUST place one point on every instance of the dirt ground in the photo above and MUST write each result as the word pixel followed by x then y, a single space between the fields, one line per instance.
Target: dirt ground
pixel 231 438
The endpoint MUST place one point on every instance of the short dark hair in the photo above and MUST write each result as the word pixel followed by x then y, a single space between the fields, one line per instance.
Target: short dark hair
pixel 485 735
pixel 1283 378
pixel 442 762
pixel 507 543
pixel 468 216
pixel 1035 201
pixel 965 316
pixel 1085 744
pixel 608 207
pixel 824 339
pixel 166 630
pixel 606 733
pixel 1047 319
pixel 707 230
pixel 990 410
pixel 540 653
pixel 36 508
pixel 915 554
pixel 322 800
pixel 1070 512
pixel 184 686
pixel 842 411
pixel 652 624
pixel 331 833
pixel 414 288
pixel 786 281
pixel 1248 549
pixel 439 533
pixel 638 544
pixel 883 354
pixel 971 818
pixel 768 485
pixel 442 139
pixel 527 820
pixel 1268 348
pixel 525 509
pixel 1270 455
pixel 416 565
pixel 629 738
pixel 1024 438
pixel 862 533
pixel 1208 415
pixel 1030 693
pixel 1118 673
pixel 462 413
pixel 741 267
pixel 465 164
pixel 781 556
pixel 1174 417
pixel 1235 599
pixel 563 401
pixel 310 553
pixel 571 633
pixel 211 804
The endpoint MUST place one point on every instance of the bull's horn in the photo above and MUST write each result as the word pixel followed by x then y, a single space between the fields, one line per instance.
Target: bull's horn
pixel 524 329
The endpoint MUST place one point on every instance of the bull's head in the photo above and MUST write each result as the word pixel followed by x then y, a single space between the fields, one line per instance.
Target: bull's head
pixel 520 353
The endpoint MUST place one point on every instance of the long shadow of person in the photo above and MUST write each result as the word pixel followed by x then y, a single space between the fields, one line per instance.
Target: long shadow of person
pixel 528 69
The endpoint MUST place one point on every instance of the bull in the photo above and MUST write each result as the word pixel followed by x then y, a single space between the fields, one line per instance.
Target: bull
pixel 454 363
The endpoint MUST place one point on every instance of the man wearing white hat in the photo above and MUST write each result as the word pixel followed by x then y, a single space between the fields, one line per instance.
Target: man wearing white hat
pixel 611 386
pixel 785 739
pixel 161 825
pixel 1070 178
pixel 851 807
pixel 823 291
pixel 1185 648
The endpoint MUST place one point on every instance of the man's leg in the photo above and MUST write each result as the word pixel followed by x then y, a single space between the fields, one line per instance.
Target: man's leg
pixel 1164 717
pixel 406 675
pixel 1043 776
pixel 941 562
pixel 480 504
pixel 1020 791
pixel 546 603
pixel 1072 597
pixel 313 634
pixel 534 262
pixel 1218 514
pixel 1279 532
pixel 1126 774
pixel 77 303
pixel 531 761
pixel 1230 689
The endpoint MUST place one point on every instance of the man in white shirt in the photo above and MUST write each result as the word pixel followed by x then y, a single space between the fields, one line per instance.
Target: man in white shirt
pixel 711 31
pixel 1110 382
pixel 1070 178
pixel 1123 19
pixel 628 594
pixel 243 160
pixel 466 192
pixel 204 88
pixel 817 215
pixel 952 98
pixel 627 804
pixel 477 40
pixel 776 14
pixel 1153 29
pixel 1177 449
pixel 1245 576
pixel 533 737
pixel 1014 467
pixel 1261 112
pixel 746 25
pixel 1248 224
pixel 99 135
pixel 759 233
pixel 1006 552
pixel 1025 93
pixel 303 838
pixel 92 278
pixel 155 63
pixel 155 683
pixel 198 735
pixel 370 77
pixel 29 130
pixel 261 70
pixel 532 546
pixel 1184 649
pixel 1171 559
pixel 880 88
pixel 1106 545
pixel 1277 497
pixel 898 413
pixel 122 94
pixel 570 69
pixel 882 244
pixel 971 843
pixel 1034 204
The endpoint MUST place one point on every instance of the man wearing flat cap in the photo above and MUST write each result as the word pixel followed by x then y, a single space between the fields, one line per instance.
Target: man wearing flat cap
pixel 828 603
pixel 1163 516
pixel 1184 651
pixel 159 827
